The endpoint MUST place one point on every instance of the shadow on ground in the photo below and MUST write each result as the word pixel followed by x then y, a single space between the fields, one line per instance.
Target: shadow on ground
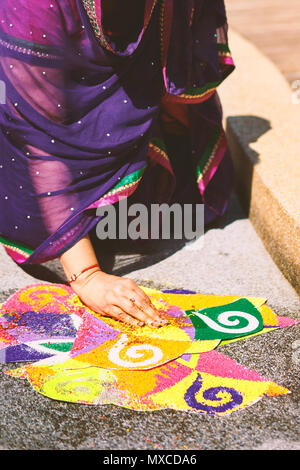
pixel 242 131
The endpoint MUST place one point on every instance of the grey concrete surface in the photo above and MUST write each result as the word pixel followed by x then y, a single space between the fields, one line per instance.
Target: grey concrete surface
pixel 230 259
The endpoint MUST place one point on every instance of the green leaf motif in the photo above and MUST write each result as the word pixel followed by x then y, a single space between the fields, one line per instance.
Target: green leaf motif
pixel 233 320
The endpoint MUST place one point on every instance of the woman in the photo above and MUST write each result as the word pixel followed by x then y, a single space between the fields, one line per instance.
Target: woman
pixel 107 100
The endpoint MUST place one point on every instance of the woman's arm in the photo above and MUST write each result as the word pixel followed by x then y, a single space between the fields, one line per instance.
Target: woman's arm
pixel 108 295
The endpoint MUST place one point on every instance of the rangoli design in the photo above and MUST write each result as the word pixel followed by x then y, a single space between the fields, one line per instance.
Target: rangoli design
pixel 74 355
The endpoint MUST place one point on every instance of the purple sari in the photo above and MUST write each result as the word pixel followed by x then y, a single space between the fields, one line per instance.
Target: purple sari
pixel 82 124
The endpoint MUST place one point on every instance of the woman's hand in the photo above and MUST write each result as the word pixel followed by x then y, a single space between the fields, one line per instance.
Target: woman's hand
pixel 108 295
pixel 117 297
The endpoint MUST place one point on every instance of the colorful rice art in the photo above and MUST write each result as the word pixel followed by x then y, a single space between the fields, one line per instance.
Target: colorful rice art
pixel 76 356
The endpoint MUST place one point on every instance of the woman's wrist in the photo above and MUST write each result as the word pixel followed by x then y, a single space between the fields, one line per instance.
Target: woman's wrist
pixel 79 261
pixel 83 280
pixel 74 277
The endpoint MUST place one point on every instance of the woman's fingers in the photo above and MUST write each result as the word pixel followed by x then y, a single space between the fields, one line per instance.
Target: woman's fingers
pixel 118 314
pixel 133 309
pixel 144 303
pixel 121 299
pixel 135 302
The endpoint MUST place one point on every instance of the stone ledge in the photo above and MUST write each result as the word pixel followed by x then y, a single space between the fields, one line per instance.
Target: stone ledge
pixel 263 129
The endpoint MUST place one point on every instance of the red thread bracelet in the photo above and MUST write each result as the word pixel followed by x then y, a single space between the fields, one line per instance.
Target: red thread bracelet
pixel 75 276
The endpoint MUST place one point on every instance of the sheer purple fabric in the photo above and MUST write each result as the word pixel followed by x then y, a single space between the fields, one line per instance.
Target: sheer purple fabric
pixel 81 111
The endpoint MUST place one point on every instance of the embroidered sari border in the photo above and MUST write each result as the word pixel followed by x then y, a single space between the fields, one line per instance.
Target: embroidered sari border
pixel 199 94
pixel 28 47
pixel 211 157
pixel 17 251
pixel 158 151
pixel 94 13
pixel 124 188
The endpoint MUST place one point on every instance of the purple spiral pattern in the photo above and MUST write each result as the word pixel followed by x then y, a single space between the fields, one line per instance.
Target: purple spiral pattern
pixel 211 394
